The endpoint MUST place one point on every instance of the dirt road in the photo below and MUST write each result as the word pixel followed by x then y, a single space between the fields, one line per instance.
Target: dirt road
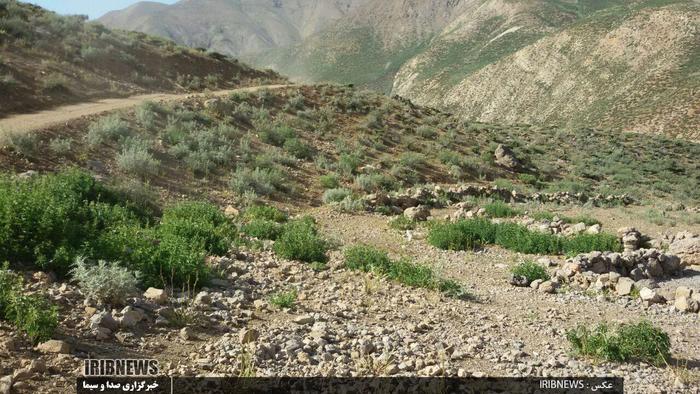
pixel 48 118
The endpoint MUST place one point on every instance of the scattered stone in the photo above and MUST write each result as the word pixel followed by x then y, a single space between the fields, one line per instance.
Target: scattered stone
pixel 686 305
pixel 418 214
pixel 624 286
pixel 8 345
pixel 202 298
pixel 37 366
pixel 649 296
pixel 231 212
pixel 302 320
pixel 159 296
pixel 131 317
pixel 536 283
pixel 54 346
pixel 187 334
pixel 22 375
pixel 6 384
pixel 103 319
pixel 248 335
pixel 547 287
pixel 683 291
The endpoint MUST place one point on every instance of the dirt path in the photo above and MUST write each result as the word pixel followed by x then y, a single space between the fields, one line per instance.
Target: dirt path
pixel 48 118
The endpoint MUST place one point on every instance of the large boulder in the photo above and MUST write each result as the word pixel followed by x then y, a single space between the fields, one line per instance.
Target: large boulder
pixel 505 157
pixel 417 214
pixel 686 245
pixel 159 296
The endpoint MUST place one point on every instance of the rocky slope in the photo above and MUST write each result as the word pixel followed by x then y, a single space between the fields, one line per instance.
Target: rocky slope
pixel 48 60
pixel 630 68
pixel 623 65
pixel 233 27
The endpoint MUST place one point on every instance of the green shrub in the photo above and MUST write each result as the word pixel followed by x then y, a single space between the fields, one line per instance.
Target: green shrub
pixel 330 181
pixel 587 220
pixel 336 195
pixel 369 259
pixel 530 270
pixel 50 219
pixel 468 234
pixel 366 258
pixel 584 243
pixel 31 314
pixel 137 160
pixel 61 146
pixel 265 212
pixel 25 143
pixel 300 241
pixel 297 148
pixel 348 164
pixel 350 205
pixel 202 224
pixel 284 300
pixel 462 235
pixel 109 128
pixel 412 160
pixel 54 83
pixel 426 131
pixel 262 229
pixel 104 282
pixel 373 182
pixel 499 209
pixel 622 343
pixel 402 223
pixel 277 135
pixel 262 181
pixel 147 114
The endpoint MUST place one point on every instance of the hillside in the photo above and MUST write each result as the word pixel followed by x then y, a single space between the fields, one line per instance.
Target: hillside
pixel 628 68
pixel 237 27
pixel 620 65
pixel 307 213
pixel 48 60
pixel 232 224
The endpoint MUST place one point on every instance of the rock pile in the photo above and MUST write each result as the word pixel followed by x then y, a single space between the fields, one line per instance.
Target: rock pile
pixel 436 196
pixel 639 264
pixel 558 226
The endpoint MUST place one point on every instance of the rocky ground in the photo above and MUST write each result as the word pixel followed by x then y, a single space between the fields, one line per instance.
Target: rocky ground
pixel 345 323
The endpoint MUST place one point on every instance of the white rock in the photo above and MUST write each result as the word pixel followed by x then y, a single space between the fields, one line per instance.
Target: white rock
pixel 159 296
pixel 54 346
pixel 624 286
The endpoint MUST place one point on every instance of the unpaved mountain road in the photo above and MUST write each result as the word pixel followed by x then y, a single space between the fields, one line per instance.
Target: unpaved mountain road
pixel 44 119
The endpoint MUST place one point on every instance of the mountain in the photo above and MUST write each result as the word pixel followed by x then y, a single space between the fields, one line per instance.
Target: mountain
pixel 622 64
pixel 630 67
pixel 48 60
pixel 234 27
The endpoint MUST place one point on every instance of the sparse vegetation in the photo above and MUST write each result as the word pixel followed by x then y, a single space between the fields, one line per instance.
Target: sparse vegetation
pixel 336 195
pixel 104 282
pixel 283 299
pixel 368 259
pixel 137 160
pixel 23 142
pixel 110 128
pixel 30 313
pixel 499 209
pixel 622 343
pixel 61 146
pixel 531 271
pixel 402 223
